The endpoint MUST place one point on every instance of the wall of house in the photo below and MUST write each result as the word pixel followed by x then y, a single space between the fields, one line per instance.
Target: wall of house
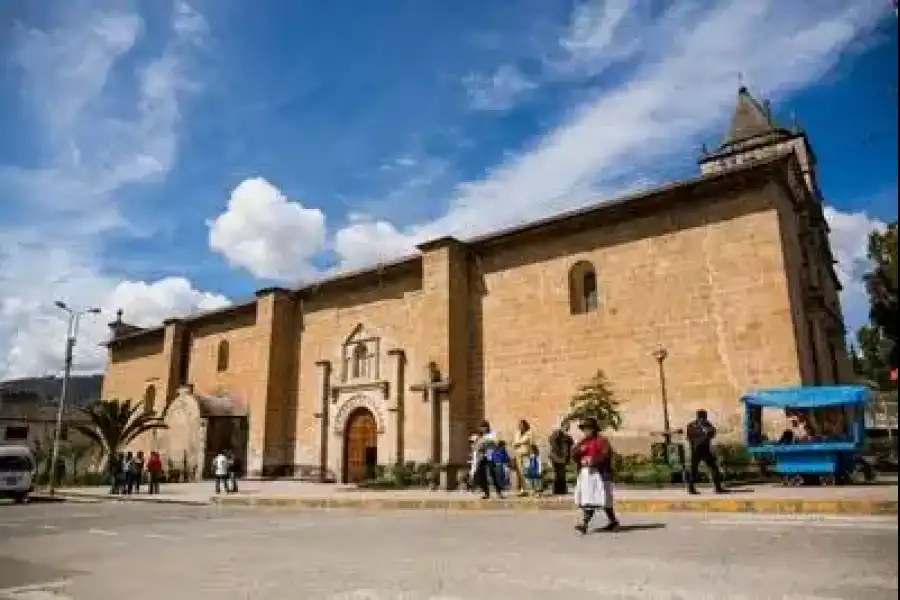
pixel 706 280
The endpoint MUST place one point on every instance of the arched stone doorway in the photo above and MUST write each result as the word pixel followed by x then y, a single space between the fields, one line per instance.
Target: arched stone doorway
pixel 360 446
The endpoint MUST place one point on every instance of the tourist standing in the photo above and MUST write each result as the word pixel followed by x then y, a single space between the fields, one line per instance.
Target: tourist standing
pixel 154 472
pixel 522 444
pixel 700 434
pixel 128 473
pixel 486 473
pixel 533 471
pixel 138 471
pixel 501 464
pixel 233 467
pixel 220 471
pixel 116 463
pixel 560 454
pixel 594 489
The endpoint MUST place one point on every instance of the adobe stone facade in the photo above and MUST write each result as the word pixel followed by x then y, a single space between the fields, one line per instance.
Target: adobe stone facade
pixel 730 272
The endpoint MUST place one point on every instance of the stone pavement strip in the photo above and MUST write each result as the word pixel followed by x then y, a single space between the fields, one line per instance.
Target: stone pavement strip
pixel 768 499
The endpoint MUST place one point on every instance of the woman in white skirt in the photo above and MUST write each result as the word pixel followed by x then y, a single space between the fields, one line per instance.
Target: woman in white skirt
pixel 594 489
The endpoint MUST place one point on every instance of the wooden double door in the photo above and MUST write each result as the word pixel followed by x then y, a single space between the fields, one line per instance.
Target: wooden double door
pixel 360 446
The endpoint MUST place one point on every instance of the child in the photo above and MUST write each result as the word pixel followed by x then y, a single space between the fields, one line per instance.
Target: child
pixel 533 470
pixel 501 463
pixel 593 490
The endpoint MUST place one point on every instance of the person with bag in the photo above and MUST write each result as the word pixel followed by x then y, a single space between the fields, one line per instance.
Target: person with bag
pixel 594 488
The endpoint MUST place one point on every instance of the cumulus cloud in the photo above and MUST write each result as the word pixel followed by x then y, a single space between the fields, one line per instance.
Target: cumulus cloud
pixel 32 329
pixel 849 242
pixel 267 234
pixel 90 154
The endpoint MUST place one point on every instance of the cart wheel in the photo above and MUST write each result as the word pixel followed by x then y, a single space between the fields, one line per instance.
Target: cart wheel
pixel 827 480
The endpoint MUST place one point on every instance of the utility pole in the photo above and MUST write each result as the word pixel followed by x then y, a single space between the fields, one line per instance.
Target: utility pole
pixel 71 335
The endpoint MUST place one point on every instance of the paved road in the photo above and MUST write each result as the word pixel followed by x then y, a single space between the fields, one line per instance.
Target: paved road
pixel 144 552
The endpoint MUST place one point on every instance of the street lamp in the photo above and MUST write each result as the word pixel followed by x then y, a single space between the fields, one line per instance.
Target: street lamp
pixel 661 354
pixel 71 333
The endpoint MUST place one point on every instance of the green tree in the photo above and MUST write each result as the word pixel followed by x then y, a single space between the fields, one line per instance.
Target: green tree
pixel 112 424
pixel 879 340
pixel 596 399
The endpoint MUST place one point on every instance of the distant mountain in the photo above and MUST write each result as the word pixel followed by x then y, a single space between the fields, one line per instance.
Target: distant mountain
pixel 83 389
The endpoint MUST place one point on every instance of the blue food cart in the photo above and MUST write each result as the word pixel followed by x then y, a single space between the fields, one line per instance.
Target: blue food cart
pixel 829 454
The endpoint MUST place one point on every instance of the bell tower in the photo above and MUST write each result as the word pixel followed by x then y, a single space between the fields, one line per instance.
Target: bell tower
pixel 754 135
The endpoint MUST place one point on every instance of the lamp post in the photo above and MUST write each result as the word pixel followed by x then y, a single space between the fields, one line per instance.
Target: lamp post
pixel 71 333
pixel 661 354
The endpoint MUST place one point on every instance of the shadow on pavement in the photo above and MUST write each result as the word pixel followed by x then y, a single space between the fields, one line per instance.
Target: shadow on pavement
pixel 632 527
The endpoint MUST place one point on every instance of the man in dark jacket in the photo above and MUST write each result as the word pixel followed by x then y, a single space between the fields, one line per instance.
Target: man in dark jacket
pixel 560 454
pixel 700 434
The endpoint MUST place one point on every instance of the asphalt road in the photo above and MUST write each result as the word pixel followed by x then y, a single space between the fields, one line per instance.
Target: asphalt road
pixel 143 552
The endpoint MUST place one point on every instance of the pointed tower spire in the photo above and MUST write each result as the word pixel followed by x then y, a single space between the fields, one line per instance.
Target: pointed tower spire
pixel 750 119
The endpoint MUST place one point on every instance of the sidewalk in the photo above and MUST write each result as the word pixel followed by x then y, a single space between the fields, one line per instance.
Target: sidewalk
pixel 856 500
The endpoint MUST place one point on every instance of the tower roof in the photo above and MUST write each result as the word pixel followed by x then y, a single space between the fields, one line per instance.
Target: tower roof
pixel 750 119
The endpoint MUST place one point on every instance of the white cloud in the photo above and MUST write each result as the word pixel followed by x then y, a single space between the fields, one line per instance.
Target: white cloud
pixel 267 234
pixel 849 242
pixel 678 91
pixel 90 155
pixel 32 329
pixel 676 85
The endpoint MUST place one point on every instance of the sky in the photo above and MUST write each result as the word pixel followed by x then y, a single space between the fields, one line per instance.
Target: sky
pixel 169 156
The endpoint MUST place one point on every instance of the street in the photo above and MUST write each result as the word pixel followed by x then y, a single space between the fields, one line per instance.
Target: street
pixel 100 551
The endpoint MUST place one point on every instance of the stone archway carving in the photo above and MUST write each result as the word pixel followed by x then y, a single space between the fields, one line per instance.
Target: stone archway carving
pixel 354 402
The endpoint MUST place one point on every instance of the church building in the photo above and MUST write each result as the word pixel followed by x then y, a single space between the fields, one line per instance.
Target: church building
pixel 719 283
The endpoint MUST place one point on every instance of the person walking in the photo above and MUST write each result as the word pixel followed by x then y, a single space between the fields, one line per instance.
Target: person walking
pixel 560 454
pixel 594 489
pixel 700 434
pixel 220 471
pixel 486 472
pixel 522 444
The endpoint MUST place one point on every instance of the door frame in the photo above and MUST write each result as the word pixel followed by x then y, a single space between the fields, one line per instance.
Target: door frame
pixel 357 413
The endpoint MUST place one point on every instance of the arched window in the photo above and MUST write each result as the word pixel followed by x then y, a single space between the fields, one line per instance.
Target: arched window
pixel 583 289
pixel 222 357
pixel 360 361
pixel 149 398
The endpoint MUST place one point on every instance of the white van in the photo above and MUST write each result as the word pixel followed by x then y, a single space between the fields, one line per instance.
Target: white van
pixel 17 471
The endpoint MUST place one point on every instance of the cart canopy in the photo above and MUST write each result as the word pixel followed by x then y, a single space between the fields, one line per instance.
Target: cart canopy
pixel 808 397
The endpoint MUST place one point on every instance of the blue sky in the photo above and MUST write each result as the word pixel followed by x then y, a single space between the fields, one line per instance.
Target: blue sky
pixel 164 157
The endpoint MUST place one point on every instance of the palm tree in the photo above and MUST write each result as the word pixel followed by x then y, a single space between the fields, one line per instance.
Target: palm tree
pixel 114 424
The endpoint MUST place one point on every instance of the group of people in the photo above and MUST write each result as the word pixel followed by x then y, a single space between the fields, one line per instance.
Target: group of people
pixel 225 471
pixel 128 471
pixel 492 465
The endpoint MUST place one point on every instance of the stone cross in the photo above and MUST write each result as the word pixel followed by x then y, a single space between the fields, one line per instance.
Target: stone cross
pixel 440 412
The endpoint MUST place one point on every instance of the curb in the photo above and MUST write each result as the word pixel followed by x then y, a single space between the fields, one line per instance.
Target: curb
pixel 94 498
pixel 773 506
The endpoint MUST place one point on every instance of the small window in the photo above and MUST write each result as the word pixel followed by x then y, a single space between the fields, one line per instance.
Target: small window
pixel 360 363
pixel 222 358
pixel 16 433
pixel 584 293
pixel 64 432
pixel 150 398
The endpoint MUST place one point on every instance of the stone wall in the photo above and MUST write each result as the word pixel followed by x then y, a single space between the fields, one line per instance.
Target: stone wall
pixel 705 280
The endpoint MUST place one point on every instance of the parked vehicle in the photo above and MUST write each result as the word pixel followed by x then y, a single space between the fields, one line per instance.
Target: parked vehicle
pixel 17 471
pixel 831 452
